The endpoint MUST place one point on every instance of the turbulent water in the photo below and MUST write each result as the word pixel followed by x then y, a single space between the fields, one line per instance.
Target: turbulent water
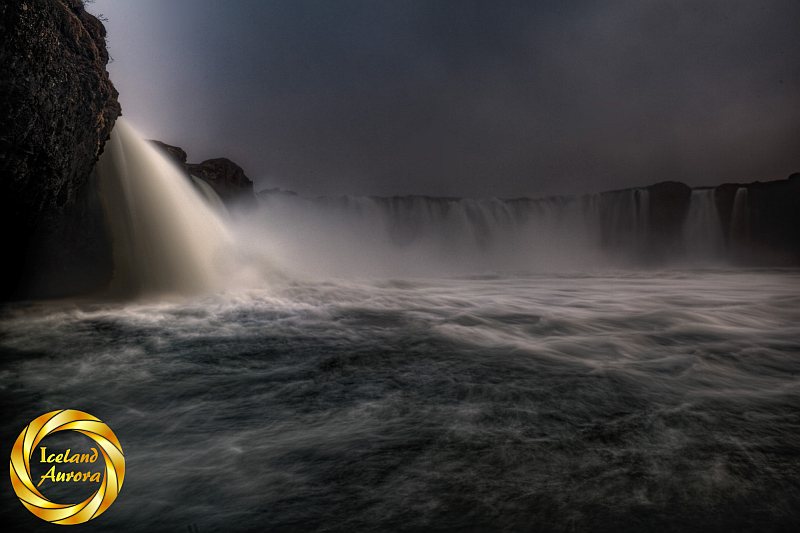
pixel 625 401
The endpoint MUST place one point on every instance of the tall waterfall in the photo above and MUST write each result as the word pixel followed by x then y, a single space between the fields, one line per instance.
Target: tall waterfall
pixel 702 232
pixel 209 195
pixel 165 236
pixel 740 217
pixel 622 218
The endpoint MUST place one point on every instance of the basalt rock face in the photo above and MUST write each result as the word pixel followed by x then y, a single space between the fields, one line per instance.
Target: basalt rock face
pixel 226 177
pixel 57 108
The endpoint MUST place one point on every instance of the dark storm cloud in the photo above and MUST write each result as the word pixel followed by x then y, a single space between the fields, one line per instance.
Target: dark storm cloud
pixel 467 98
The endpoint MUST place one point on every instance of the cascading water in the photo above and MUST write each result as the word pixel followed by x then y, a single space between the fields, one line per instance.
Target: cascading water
pixel 165 237
pixel 623 218
pixel 423 235
pixel 702 232
pixel 209 195
pixel 740 217
pixel 642 222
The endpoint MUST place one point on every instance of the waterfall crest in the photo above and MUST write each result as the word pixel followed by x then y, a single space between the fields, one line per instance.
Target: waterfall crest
pixel 166 239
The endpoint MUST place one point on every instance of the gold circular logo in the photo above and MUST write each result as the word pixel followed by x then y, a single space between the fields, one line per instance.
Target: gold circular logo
pixel 92 427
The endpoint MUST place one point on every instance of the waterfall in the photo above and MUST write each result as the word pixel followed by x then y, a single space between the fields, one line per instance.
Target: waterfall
pixel 168 235
pixel 417 235
pixel 623 219
pixel 702 232
pixel 642 222
pixel 165 237
pixel 412 235
pixel 740 217
pixel 210 195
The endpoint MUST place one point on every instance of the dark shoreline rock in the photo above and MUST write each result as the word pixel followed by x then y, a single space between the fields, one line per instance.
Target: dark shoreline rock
pixel 57 109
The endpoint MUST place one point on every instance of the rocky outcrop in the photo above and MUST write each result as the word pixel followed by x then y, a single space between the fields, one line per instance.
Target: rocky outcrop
pixel 174 152
pixel 57 108
pixel 226 177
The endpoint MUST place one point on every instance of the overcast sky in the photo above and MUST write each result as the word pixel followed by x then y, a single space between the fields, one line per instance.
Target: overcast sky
pixel 466 98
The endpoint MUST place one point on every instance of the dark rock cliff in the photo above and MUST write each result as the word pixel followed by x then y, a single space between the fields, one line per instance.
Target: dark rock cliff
pixel 57 108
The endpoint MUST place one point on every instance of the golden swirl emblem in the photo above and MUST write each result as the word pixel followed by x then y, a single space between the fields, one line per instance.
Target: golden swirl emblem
pixel 94 505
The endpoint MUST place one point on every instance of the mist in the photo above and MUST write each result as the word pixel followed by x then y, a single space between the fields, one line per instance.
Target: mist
pixel 416 236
